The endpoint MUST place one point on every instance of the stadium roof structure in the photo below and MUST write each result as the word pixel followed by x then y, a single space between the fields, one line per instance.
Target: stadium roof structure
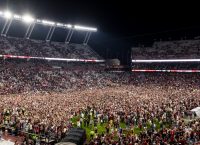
pixel 9 17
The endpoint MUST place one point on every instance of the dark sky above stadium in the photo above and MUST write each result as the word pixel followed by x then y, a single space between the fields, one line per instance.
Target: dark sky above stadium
pixel 121 24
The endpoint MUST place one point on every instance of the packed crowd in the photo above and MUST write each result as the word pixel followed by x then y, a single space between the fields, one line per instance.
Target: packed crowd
pixel 168 50
pixel 45 99
pixel 39 99
pixel 25 77
pixel 151 114
pixel 38 48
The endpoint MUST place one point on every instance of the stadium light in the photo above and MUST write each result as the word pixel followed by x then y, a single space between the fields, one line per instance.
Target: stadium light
pixel 7 14
pixel 28 19
pixel 17 16
pixel 39 21
pixel 59 24
pixel 68 25
pixel 48 22
pixel 83 28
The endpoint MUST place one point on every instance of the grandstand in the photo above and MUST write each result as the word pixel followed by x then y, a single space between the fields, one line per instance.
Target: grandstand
pixel 182 49
pixel 40 49
pixel 167 56
pixel 37 48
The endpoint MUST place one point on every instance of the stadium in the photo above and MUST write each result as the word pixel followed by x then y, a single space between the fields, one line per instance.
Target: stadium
pixel 66 92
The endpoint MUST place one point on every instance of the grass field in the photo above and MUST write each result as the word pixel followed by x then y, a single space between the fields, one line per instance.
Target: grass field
pixel 101 128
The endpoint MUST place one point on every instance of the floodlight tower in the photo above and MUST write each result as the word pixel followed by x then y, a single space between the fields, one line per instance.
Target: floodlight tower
pixel 46 39
pixel 69 34
pixel 8 16
pixel 50 34
pixel 31 23
pixel 4 27
pixel 51 29
pixel 87 38
pixel 89 31
pixel 30 31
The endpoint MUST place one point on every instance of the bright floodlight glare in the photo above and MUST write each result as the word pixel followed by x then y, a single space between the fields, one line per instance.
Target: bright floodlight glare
pixel 48 22
pixel 17 17
pixel 85 28
pixel 1 13
pixel 68 26
pixel 27 19
pixel 39 21
pixel 7 14
pixel 59 24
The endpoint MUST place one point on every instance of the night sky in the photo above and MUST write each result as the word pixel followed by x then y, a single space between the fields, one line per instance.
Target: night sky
pixel 121 24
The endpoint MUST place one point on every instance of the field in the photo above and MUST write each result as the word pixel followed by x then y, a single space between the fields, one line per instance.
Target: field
pixel 101 128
